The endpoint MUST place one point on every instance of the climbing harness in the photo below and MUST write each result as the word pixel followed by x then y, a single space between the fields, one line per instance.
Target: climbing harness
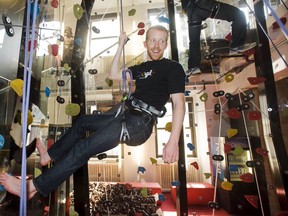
pixel 136 103
pixel 124 135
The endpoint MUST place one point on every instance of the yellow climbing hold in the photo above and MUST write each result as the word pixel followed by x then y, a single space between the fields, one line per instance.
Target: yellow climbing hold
pixel 78 11
pixel 17 86
pixel 29 119
pixel 66 67
pixel 153 160
pixel 207 175
pixel 204 97
pixel 168 126
pixel 227 185
pixel 72 109
pixel 229 77
pixel 109 82
pixel 37 172
pixel 132 12
pixel 231 132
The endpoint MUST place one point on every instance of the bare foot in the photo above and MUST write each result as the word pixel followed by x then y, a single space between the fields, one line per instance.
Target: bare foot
pixel 13 185
pixel 44 156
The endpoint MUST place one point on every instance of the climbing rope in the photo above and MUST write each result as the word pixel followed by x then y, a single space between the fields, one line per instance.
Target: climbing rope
pixel 25 102
pixel 267 35
pixel 124 71
pixel 251 155
pixel 281 25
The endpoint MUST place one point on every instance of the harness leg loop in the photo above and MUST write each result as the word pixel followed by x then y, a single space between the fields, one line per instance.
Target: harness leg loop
pixel 124 136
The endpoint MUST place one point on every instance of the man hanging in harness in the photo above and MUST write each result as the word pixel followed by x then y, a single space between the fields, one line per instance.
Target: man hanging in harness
pixel 156 81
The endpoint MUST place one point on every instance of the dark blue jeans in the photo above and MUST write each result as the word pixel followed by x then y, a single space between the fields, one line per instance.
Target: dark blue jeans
pixel 202 10
pixel 72 151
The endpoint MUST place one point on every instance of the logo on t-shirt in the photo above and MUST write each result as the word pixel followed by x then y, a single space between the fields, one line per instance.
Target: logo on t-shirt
pixel 145 75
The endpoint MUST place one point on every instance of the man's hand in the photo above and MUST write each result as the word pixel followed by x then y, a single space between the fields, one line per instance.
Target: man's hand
pixel 115 65
pixel 171 152
pixel 123 38
pixel 171 149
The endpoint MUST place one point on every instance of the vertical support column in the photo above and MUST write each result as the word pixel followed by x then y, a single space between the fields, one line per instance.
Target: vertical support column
pixel 80 177
pixel 263 64
pixel 181 191
pixel 172 27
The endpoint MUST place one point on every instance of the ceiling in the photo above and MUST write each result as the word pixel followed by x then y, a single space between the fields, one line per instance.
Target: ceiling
pixel 9 6
pixel 106 4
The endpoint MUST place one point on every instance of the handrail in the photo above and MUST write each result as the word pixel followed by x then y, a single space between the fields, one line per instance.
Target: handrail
pixel 5 89
pixel 1 77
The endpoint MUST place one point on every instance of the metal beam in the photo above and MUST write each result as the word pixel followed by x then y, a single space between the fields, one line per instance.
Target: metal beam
pixel 181 190
pixel 263 64
pixel 80 177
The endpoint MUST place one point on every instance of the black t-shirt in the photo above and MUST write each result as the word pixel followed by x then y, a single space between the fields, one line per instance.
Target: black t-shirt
pixel 156 80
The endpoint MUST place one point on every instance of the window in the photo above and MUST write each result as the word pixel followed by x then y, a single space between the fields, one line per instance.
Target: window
pixel 162 135
pixel 47 35
pixel 106 32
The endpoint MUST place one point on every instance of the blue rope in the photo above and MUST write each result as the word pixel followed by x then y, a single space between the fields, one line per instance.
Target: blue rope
pixel 25 102
pixel 24 119
pixel 124 76
pixel 266 34
pixel 276 18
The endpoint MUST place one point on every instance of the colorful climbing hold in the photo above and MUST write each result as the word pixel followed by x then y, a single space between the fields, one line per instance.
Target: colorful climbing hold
pixel 2 141
pixel 54 3
pixel 72 109
pixel 17 86
pixel 247 177
pixel 47 91
pixel 168 126
pixel 256 80
pixel 109 82
pixel 78 11
pixel 204 97
pixel 190 146
pixel 175 183
pixel 141 31
pixel 131 12
pixel 254 115
pixel 233 113
pixel 227 148
pixel 262 151
pixel 227 185
pixel 229 77
pixel 252 199
pixel 140 25
pixel 195 164
pixel 231 132
pixel 153 160
pixel 238 150
pixel 66 67
pixel 207 175
pixel 141 169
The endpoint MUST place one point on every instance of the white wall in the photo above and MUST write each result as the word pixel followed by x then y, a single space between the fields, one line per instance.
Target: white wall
pixel 140 156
